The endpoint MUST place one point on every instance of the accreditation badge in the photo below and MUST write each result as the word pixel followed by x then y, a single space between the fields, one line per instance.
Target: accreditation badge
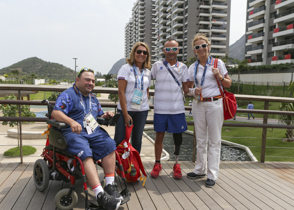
pixel 137 99
pixel 90 123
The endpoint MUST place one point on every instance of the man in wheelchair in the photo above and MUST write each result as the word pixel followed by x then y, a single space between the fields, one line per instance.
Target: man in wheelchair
pixel 79 108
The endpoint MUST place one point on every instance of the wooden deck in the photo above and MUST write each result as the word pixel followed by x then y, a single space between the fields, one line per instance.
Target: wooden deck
pixel 241 185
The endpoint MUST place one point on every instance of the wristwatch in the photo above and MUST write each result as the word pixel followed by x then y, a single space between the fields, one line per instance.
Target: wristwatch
pixel 222 79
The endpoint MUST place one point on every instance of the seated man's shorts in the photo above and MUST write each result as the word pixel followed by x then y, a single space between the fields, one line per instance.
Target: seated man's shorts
pixel 97 145
pixel 172 123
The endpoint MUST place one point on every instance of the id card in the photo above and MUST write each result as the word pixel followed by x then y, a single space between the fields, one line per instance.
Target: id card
pixel 90 123
pixel 137 99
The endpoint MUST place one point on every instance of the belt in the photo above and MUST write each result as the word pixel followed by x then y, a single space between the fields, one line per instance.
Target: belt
pixel 215 98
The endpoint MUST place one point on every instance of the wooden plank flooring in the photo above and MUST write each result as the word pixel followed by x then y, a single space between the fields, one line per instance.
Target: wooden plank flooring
pixel 241 185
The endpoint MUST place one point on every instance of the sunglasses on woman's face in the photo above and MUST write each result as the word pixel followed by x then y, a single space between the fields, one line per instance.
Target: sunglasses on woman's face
pixel 168 49
pixel 197 47
pixel 140 51
pixel 85 69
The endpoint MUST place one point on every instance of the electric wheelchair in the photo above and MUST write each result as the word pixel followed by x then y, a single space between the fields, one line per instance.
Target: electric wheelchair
pixel 57 164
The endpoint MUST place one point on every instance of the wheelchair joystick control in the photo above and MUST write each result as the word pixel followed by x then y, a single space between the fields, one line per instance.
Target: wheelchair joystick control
pixel 133 170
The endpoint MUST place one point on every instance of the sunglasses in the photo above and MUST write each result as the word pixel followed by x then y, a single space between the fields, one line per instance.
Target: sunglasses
pixel 168 49
pixel 85 69
pixel 140 51
pixel 197 47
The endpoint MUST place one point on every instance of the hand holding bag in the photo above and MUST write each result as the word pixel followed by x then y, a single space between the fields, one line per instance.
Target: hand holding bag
pixel 229 100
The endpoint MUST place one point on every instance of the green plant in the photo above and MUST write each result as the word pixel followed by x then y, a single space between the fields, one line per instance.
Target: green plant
pixel 53 96
pixel 12 110
pixel 15 152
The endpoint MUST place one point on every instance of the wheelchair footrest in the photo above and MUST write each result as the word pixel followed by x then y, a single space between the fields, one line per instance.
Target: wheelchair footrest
pixel 126 196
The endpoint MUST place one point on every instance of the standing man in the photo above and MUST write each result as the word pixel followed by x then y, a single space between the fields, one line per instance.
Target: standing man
pixel 169 111
pixel 79 108
pixel 250 106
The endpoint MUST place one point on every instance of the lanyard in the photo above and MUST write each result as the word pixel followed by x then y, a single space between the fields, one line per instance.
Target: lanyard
pixel 204 72
pixel 166 65
pixel 83 104
pixel 138 80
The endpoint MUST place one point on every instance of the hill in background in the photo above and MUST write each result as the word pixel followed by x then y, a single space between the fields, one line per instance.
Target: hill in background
pixel 237 50
pixel 117 66
pixel 42 69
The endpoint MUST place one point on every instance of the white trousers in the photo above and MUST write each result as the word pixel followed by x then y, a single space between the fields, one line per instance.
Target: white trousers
pixel 208 120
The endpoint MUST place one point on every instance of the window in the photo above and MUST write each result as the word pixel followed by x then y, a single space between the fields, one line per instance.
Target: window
pixel 270 54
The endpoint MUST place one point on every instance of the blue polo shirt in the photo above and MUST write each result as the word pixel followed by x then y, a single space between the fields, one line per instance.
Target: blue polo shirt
pixel 69 102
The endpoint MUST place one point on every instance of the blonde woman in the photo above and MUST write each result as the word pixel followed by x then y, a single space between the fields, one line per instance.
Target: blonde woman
pixel 134 80
pixel 207 109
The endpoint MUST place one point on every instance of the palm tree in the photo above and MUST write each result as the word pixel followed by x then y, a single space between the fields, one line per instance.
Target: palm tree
pixel 33 76
pixel 15 72
pixel 242 65
pixel 107 77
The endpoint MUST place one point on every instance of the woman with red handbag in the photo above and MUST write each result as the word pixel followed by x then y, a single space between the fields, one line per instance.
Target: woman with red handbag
pixel 207 109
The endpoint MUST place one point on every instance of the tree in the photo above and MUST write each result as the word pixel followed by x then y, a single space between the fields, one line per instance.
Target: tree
pixel 113 96
pixel 15 73
pixel 107 77
pixel 98 75
pixel 13 111
pixel 242 65
pixel 287 119
pixel 33 76
pixel 227 60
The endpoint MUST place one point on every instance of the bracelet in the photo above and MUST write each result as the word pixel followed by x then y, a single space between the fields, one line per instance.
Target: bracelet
pixel 222 79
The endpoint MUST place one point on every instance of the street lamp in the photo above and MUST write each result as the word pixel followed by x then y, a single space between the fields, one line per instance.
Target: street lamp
pixel 75 68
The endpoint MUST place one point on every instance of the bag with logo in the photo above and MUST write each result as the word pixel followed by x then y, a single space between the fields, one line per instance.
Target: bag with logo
pixel 131 160
pixel 229 100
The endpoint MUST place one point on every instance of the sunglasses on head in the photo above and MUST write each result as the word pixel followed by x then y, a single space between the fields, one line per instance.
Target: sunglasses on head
pixel 140 51
pixel 168 49
pixel 197 47
pixel 85 69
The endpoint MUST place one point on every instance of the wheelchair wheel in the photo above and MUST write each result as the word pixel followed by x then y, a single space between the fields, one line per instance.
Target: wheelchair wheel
pixel 65 202
pixel 41 175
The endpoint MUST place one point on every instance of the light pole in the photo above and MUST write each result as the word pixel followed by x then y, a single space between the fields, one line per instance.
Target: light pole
pixel 75 68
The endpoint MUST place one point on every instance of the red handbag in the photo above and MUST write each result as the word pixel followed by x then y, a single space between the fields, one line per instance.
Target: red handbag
pixel 229 100
pixel 131 160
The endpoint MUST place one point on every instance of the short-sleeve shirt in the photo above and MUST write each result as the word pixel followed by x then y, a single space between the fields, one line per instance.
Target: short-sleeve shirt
pixel 210 86
pixel 126 72
pixel 250 106
pixel 168 97
pixel 70 103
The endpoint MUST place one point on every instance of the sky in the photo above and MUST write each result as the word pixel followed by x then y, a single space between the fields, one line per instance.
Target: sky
pixel 90 30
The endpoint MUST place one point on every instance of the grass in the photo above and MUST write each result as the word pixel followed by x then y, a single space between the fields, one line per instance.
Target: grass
pixel 251 137
pixel 15 152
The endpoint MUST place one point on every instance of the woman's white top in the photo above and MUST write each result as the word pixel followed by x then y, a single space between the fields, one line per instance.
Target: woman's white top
pixel 126 72
pixel 210 87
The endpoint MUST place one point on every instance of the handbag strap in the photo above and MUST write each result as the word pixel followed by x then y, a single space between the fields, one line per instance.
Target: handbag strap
pixel 128 132
pixel 172 74
pixel 217 80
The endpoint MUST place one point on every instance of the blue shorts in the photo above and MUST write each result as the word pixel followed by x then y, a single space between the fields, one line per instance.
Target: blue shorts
pixel 172 123
pixel 97 145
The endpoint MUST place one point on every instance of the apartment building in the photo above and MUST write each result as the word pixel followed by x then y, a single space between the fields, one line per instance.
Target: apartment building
pixel 181 20
pixel 269 32
pixel 138 29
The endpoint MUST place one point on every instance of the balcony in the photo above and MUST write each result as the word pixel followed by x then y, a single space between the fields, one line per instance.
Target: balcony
pixel 204 28
pixel 284 30
pixel 257 12
pixel 177 2
pixel 219 13
pixel 255 37
pixel 204 5
pixel 219 37
pixel 218 45
pixel 284 16
pixel 218 53
pixel 219 5
pixel 284 3
pixel 221 29
pixel 204 13
pixel 178 9
pixel 255 62
pixel 177 24
pixel 282 45
pixel 256 24
pixel 256 3
pixel 177 17
pixel 254 50
pixel 204 20
pixel 289 58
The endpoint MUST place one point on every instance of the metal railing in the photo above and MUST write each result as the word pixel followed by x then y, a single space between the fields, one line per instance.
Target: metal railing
pixel 267 99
